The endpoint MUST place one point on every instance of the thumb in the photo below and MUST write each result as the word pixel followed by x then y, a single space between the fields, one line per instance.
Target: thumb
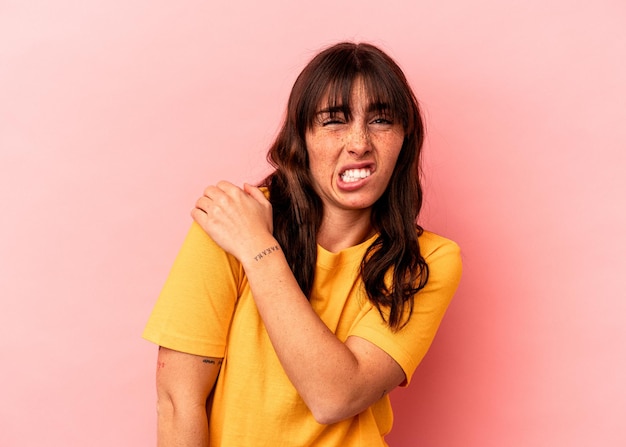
pixel 255 193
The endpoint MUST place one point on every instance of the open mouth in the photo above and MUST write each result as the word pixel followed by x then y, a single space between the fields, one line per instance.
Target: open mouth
pixel 353 175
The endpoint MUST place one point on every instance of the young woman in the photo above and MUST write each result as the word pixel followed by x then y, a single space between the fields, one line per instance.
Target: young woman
pixel 293 309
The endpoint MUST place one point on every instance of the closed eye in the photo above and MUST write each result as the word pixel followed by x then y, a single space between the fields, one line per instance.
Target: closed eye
pixel 381 116
pixel 332 121
pixel 382 121
pixel 332 117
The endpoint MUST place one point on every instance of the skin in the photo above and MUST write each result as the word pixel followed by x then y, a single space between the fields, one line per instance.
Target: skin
pixel 350 376
pixel 184 383
pixel 335 143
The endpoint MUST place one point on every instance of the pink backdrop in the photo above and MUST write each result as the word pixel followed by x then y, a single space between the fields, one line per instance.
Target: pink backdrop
pixel 114 115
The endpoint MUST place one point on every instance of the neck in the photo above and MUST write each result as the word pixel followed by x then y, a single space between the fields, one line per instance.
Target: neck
pixel 338 232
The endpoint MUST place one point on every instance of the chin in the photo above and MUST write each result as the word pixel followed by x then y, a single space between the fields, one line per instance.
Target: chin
pixel 362 205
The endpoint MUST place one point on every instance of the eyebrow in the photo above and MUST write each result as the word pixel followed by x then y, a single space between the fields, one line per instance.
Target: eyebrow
pixel 333 110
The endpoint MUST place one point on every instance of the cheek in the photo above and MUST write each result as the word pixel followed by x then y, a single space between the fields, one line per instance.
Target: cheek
pixel 319 153
pixel 393 152
pixel 317 161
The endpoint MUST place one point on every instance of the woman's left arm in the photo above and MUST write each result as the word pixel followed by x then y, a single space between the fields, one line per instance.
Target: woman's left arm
pixel 335 379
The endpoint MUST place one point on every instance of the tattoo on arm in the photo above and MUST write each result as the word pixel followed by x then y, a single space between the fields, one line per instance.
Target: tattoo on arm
pixel 266 252
pixel 212 361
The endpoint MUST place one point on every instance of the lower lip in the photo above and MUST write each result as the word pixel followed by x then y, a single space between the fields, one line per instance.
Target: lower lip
pixel 351 186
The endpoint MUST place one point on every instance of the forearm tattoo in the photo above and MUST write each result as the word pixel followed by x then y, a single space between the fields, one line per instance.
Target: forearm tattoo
pixel 266 252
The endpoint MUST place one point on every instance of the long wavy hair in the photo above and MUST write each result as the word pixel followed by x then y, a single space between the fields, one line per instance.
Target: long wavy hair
pixel 393 269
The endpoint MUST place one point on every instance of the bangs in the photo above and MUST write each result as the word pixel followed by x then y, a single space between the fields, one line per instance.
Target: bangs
pixel 382 97
pixel 332 87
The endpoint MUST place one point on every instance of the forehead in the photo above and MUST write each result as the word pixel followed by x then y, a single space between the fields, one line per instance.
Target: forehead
pixel 353 94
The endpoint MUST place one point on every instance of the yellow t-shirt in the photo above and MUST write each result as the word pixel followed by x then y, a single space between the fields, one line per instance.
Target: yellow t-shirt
pixel 206 308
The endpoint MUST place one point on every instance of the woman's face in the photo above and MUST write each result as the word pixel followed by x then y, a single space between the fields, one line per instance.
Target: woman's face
pixel 352 158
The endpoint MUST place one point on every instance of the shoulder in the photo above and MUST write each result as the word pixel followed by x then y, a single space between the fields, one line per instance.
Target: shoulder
pixel 431 242
pixel 442 255
pixel 200 255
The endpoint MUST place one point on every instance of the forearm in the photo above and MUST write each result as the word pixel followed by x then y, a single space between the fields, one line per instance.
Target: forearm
pixel 321 367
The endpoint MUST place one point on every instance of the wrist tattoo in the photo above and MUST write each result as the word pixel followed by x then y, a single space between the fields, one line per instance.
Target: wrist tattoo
pixel 266 252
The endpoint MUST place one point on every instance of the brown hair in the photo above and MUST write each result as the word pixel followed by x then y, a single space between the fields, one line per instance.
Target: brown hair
pixel 298 209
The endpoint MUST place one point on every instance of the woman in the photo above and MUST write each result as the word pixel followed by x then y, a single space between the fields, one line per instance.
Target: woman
pixel 293 309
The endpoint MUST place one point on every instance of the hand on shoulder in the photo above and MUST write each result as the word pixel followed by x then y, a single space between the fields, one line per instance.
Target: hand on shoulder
pixel 238 220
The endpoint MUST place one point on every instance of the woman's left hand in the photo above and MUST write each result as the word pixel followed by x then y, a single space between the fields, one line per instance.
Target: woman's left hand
pixel 238 220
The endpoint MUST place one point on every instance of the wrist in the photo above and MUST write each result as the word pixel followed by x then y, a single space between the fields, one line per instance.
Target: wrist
pixel 266 252
pixel 261 252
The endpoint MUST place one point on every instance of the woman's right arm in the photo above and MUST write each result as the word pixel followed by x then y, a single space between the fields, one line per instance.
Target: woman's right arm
pixel 184 383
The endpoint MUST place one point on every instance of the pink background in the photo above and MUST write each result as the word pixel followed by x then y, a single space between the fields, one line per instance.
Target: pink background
pixel 114 115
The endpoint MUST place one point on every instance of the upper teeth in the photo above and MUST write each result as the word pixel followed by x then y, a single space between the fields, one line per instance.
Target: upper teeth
pixel 352 175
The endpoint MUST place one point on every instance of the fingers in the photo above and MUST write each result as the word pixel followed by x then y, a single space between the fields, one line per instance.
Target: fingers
pixel 198 215
pixel 212 192
pixel 224 194
pixel 218 195
pixel 203 203
pixel 200 212
pixel 226 188
pixel 255 192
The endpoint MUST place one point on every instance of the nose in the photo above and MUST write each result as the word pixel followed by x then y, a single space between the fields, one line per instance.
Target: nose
pixel 359 143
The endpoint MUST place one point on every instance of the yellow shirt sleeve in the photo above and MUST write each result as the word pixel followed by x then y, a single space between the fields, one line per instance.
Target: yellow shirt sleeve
pixel 409 345
pixel 194 310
